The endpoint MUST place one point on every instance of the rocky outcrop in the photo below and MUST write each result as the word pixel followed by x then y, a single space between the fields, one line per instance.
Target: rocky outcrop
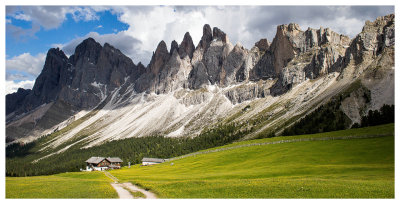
pixel 186 48
pixel 231 65
pixel 97 71
pixel 208 59
pixel 263 45
pixel 47 85
pixel 299 55
pixel 374 37
pixel 16 100
pixel 247 92
pixel 206 38
pixel 174 46
pixel 174 75
pixel 82 80
pixel 148 80
pixel 219 35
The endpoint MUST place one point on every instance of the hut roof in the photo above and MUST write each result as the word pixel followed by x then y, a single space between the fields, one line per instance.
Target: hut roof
pixel 145 159
pixel 95 160
pixel 114 159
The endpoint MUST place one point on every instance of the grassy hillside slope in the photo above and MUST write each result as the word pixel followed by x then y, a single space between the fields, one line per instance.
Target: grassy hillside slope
pixel 65 185
pixel 345 168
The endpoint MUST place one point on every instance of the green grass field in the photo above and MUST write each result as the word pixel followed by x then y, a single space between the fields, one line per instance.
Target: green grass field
pixel 353 168
pixel 65 185
pixel 350 168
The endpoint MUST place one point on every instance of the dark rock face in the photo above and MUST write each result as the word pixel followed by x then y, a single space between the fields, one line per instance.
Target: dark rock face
pixel 231 65
pixel 147 81
pixel 16 99
pixel 174 46
pixel 186 47
pixel 263 45
pixel 206 38
pixel 83 80
pixel 97 72
pixel 219 35
pixel 198 76
pixel 159 58
pixel 264 69
pixel 48 84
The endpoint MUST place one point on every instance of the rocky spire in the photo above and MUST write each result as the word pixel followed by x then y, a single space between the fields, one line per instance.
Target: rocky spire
pixel 263 44
pixel 206 38
pixel 219 35
pixel 174 46
pixel 186 47
pixel 159 58
pixel 88 49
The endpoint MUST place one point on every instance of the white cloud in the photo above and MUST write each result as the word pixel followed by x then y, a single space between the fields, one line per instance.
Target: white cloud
pixel 12 86
pixel 21 16
pixel 100 26
pixel 48 17
pixel 25 62
pixel 83 13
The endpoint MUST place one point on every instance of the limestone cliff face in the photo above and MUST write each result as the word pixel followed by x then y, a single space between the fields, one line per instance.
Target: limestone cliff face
pixel 299 55
pixel 371 42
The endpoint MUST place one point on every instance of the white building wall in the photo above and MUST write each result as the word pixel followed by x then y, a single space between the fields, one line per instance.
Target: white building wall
pixel 149 163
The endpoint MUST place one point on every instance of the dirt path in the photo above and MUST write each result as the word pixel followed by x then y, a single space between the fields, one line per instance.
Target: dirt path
pixel 122 192
pixel 148 194
pixel 124 188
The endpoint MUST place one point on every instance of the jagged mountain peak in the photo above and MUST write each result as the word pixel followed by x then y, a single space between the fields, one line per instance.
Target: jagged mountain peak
pixel 215 70
pixel 174 46
pixel 206 37
pixel 186 47
pixel 161 48
pixel 263 44
pixel 218 34
pixel 56 51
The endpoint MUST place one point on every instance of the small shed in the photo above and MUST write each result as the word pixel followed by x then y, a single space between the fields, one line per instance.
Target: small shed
pixel 151 161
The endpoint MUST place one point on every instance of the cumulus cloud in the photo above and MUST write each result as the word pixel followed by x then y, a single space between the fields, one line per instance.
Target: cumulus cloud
pixel 12 86
pixel 47 17
pixel 26 63
pixel 50 17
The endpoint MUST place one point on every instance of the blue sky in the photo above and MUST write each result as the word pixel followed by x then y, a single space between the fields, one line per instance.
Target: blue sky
pixel 68 30
pixel 136 30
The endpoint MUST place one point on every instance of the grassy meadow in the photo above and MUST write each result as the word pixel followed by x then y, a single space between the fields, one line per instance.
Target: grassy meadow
pixel 346 168
pixel 65 185
pixel 352 168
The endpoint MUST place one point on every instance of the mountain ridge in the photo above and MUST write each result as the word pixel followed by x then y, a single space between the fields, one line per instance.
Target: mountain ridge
pixel 208 82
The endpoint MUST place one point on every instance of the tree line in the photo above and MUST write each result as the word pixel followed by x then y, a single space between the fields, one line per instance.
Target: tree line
pixel 19 157
pixel 384 115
